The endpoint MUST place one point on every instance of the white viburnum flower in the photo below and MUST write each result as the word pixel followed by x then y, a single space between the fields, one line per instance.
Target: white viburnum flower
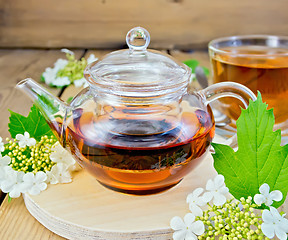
pixel 266 197
pixel 2 176
pixel 196 202
pixel 61 81
pixel 216 190
pixel 13 184
pixel 60 64
pixel 59 174
pixel 187 230
pixel 34 183
pixel 49 75
pixel 61 155
pixel 81 82
pixel 25 140
pixel 91 58
pixel 274 224
pixel 4 161
pixel 3 173
pixel 75 168
pixel 51 178
pixel 67 51
pixel 2 148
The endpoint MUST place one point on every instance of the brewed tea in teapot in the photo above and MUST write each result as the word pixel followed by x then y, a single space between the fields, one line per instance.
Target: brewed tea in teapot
pixel 138 127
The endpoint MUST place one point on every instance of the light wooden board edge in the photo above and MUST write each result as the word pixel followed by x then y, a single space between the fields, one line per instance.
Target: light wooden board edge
pixel 73 231
pixel 284 207
pixel 76 223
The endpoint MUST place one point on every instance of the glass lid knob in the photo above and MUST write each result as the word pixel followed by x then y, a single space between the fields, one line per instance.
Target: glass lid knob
pixel 138 38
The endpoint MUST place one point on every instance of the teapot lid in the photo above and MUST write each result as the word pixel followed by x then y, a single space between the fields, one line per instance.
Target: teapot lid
pixel 137 67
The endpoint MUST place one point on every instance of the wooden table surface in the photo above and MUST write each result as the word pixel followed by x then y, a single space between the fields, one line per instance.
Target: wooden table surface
pixel 15 221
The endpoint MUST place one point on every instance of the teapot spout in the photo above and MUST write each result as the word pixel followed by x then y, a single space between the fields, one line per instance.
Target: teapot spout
pixel 52 108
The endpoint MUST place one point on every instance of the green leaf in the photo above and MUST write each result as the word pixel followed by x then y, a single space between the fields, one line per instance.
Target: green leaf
pixel 259 159
pixel 206 71
pixel 44 100
pixel 42 79
pixel 35 124
pixel 192 63
pixel 69 99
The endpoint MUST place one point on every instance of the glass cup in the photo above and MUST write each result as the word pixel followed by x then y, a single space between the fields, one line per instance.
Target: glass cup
pixel 259 62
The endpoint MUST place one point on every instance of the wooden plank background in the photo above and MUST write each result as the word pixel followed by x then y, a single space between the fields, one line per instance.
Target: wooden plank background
pixel 104 23
pixel 15 65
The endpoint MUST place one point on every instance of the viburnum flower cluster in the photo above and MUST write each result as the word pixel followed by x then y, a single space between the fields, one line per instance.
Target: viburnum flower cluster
pixel 27 165
pixel 67 71
pixel 216 215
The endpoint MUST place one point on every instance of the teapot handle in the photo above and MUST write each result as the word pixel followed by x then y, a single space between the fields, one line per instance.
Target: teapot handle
pixel 227 89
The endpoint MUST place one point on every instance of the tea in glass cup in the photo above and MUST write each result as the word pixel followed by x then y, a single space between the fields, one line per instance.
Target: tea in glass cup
pixel 259 62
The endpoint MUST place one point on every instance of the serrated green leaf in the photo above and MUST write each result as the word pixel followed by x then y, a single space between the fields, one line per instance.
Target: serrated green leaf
pixel 40 125
pixel 35 124
pixel 259 159
pixel 16 124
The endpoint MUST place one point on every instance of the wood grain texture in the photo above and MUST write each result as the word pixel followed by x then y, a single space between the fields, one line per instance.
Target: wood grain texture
pixel 17 224
pixel 104 23
pixel 16 65
pixel 14 215
pixel 15 221
pixel 201 56
pixel 84 209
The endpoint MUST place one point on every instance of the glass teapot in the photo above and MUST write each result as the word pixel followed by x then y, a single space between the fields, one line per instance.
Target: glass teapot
pixel 138 127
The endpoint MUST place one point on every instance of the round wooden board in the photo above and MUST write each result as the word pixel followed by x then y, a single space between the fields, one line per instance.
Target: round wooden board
pixel 84 209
